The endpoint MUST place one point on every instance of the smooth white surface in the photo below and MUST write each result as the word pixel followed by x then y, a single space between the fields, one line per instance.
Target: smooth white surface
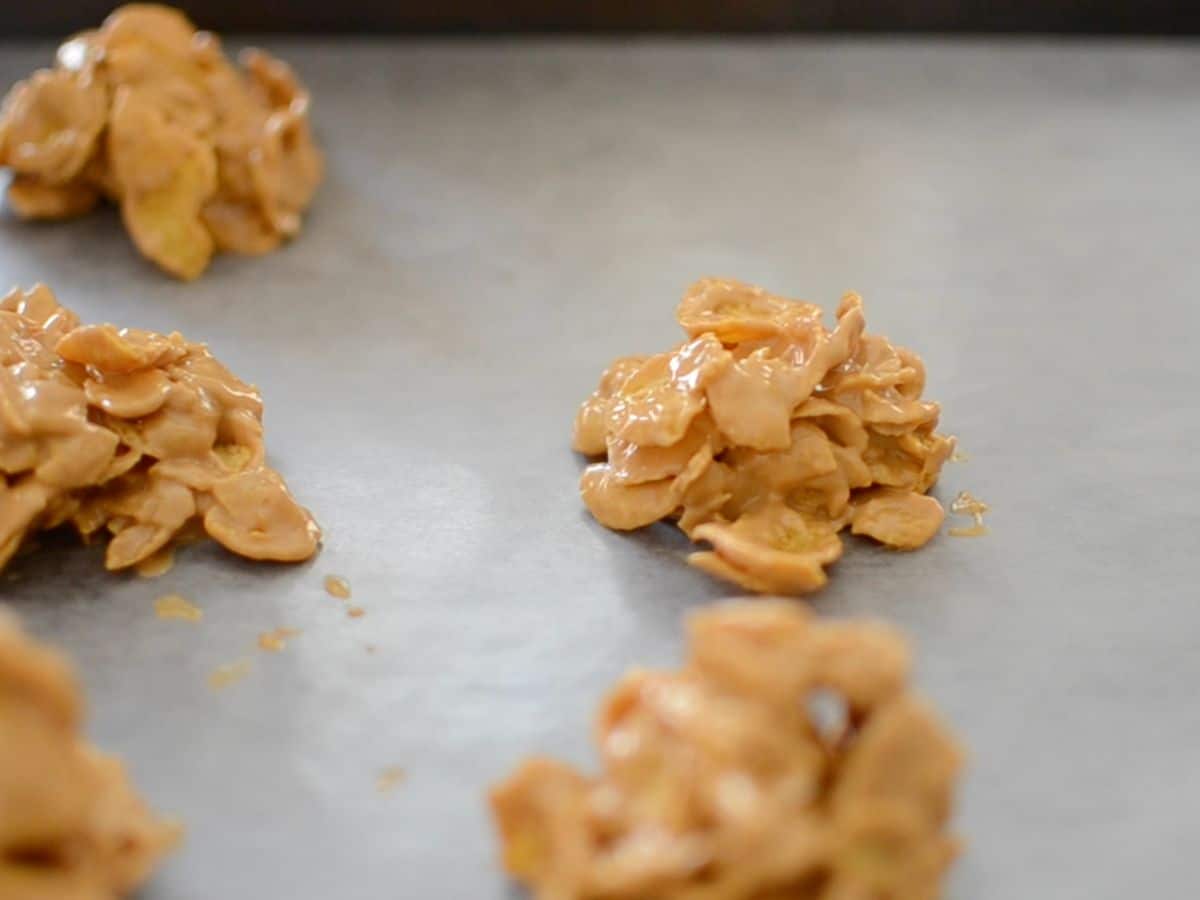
pixel 502 219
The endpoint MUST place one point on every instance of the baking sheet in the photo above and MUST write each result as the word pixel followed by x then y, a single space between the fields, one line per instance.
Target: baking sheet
pixel 500 220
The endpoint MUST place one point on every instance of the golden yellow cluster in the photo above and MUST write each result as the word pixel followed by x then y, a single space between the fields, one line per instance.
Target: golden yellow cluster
pixel 765 434
pixel 71 825
pixel 787 759
pixel 134 433
pixel 147 111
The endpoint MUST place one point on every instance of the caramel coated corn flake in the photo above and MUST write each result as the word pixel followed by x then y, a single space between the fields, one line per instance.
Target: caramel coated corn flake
pixel 158 564
pixel 656 404
pixel 31 198
pixel 167 175
pixel 71 825
pixel 50 124
pixel 773 549
pixel 765 434
pixel 903 519
pixel 139 435
pixel 147 112
pixel 717 782
pixel 590 430
pixel 624 507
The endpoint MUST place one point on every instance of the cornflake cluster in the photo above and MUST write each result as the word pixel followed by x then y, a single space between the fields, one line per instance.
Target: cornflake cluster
pixel 765 434
pixel 133 433
pixel 71 825
pixel 147 112
pixel 719 782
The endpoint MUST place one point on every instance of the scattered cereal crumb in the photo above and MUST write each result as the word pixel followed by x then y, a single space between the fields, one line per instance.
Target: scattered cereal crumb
pixel 276 640
pixel 176 606
pixel 389 779
pixel 230 673
pixel 371 648
pixel 356 612
pixel 960 456
pixel 970 531
pixel 158 564
pixel 336 586
pixel 967 505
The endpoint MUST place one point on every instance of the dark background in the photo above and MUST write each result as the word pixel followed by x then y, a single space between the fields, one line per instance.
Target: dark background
pixel 1159 17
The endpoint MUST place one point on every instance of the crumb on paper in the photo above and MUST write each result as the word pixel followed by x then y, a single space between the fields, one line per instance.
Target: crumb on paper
pixel 730 780
pixel 336 586
pixel 176 606
pixel 276 640
pixel 389 779
pixel 370 648
pixel 157 564
pixel 228 674
pixel 765 434
pixel 966 504
pixel 960 456
pixel 356 612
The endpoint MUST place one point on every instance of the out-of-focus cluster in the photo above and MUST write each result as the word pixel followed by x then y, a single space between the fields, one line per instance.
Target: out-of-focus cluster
pixel 787 759
pixel 765 434
pixel 71 825
pixel 138 434
pixel 147 112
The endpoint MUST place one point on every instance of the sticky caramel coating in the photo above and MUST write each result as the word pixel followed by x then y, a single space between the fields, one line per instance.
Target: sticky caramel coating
pixel 71 825
pixel 765 434
pixel 786 759
pixel 146 111
pixel 135 434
